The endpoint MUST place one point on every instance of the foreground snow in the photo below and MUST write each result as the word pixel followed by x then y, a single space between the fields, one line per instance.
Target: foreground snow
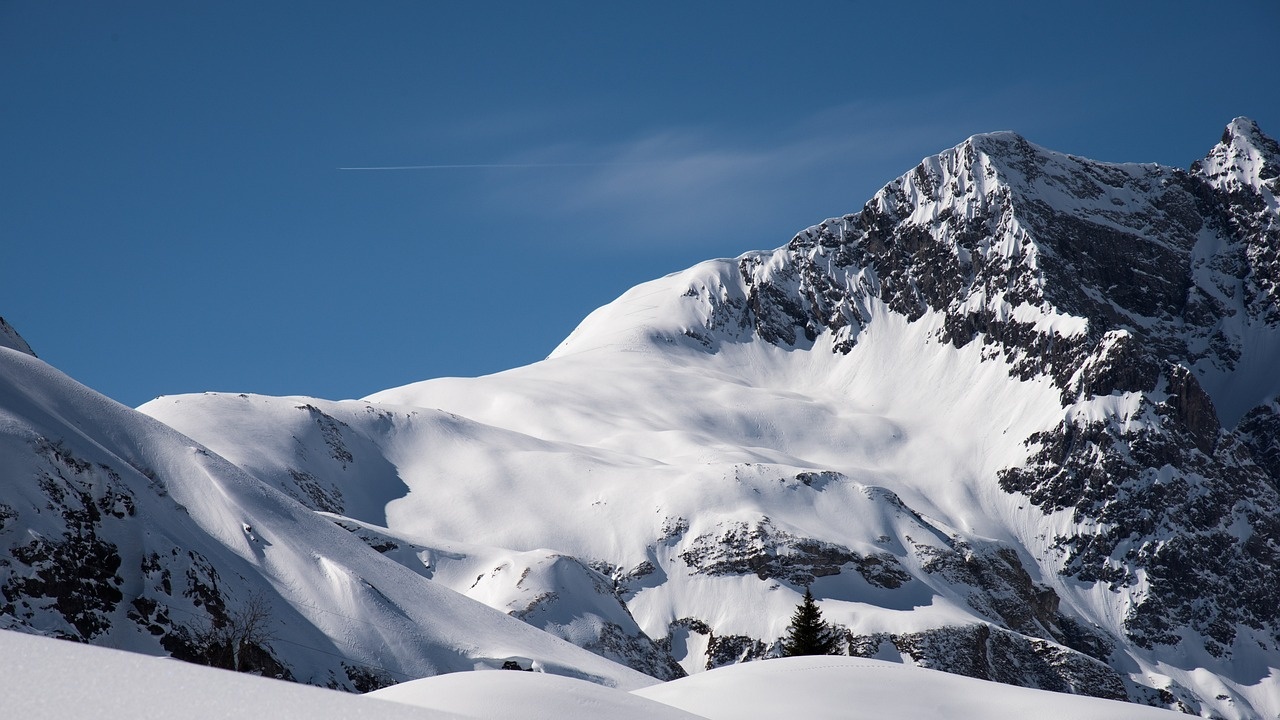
pixel 855 688
pixel 47 679
pixel 57 679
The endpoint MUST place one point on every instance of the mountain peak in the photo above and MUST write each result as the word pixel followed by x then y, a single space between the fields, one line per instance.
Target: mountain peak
pixel 1245 157
pixel 996 136
pixel 1243 129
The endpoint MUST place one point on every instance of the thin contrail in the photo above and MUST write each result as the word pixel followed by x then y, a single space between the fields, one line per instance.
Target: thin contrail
pixel 496 165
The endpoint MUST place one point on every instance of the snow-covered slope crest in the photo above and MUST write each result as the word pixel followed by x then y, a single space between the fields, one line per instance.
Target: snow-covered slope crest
pixel 1015 419
pixel 9 338
pixel 117 530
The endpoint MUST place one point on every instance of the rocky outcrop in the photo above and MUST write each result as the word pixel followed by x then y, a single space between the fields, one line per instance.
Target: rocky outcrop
pixel 553 592
pixel 996 654
pixel 1259 430
pixel 739 548
pixel 77 572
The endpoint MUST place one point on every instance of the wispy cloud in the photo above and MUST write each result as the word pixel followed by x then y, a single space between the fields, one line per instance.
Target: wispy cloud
pixel 703 186
pixel 479 166
pixel 691 185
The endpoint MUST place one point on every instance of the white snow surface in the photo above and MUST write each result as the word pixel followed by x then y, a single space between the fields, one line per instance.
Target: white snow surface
pixel 816 688
pixel 46 679
pixel 1239 161
pixel 627 454
pixel 844 688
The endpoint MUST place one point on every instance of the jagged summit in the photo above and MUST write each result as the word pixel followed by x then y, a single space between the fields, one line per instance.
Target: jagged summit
pixel 1246 157
pixel 1050 257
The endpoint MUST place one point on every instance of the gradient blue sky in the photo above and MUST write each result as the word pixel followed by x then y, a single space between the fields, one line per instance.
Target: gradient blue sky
pixel 173 217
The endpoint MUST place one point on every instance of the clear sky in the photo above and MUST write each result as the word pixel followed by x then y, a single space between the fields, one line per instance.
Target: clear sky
pixel 173 215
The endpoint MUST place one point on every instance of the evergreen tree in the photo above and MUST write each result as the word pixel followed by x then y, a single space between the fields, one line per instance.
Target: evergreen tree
pixel 808 633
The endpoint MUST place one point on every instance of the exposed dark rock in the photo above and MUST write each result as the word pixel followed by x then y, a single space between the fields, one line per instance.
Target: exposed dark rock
pixel 732 649
pixel 1193 407
pixel 366 679
pixel 761 549
pixel 76 573
pixel 991 653
pixel 313 493
pixel 331 430
pixel 1259 430
pixel 882 570
pixel 1204 528
pixel 721 649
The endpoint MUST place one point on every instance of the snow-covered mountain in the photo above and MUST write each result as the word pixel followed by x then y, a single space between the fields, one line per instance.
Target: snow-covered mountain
pixel 119 531
pixel 1015 419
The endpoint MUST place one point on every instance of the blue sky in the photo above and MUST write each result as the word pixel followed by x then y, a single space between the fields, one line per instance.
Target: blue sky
pixel 173 217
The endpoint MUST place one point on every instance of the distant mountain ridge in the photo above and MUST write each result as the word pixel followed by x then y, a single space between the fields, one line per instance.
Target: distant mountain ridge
pixel 1017 418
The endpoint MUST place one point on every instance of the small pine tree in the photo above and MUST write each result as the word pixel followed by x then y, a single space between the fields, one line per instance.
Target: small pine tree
pixel 808 633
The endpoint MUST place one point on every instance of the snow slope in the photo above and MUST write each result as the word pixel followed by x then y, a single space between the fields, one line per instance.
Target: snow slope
pixel 120 531
pixel 46 679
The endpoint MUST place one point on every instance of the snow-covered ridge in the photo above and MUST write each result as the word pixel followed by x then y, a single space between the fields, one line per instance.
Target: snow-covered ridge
pixel 1038 253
